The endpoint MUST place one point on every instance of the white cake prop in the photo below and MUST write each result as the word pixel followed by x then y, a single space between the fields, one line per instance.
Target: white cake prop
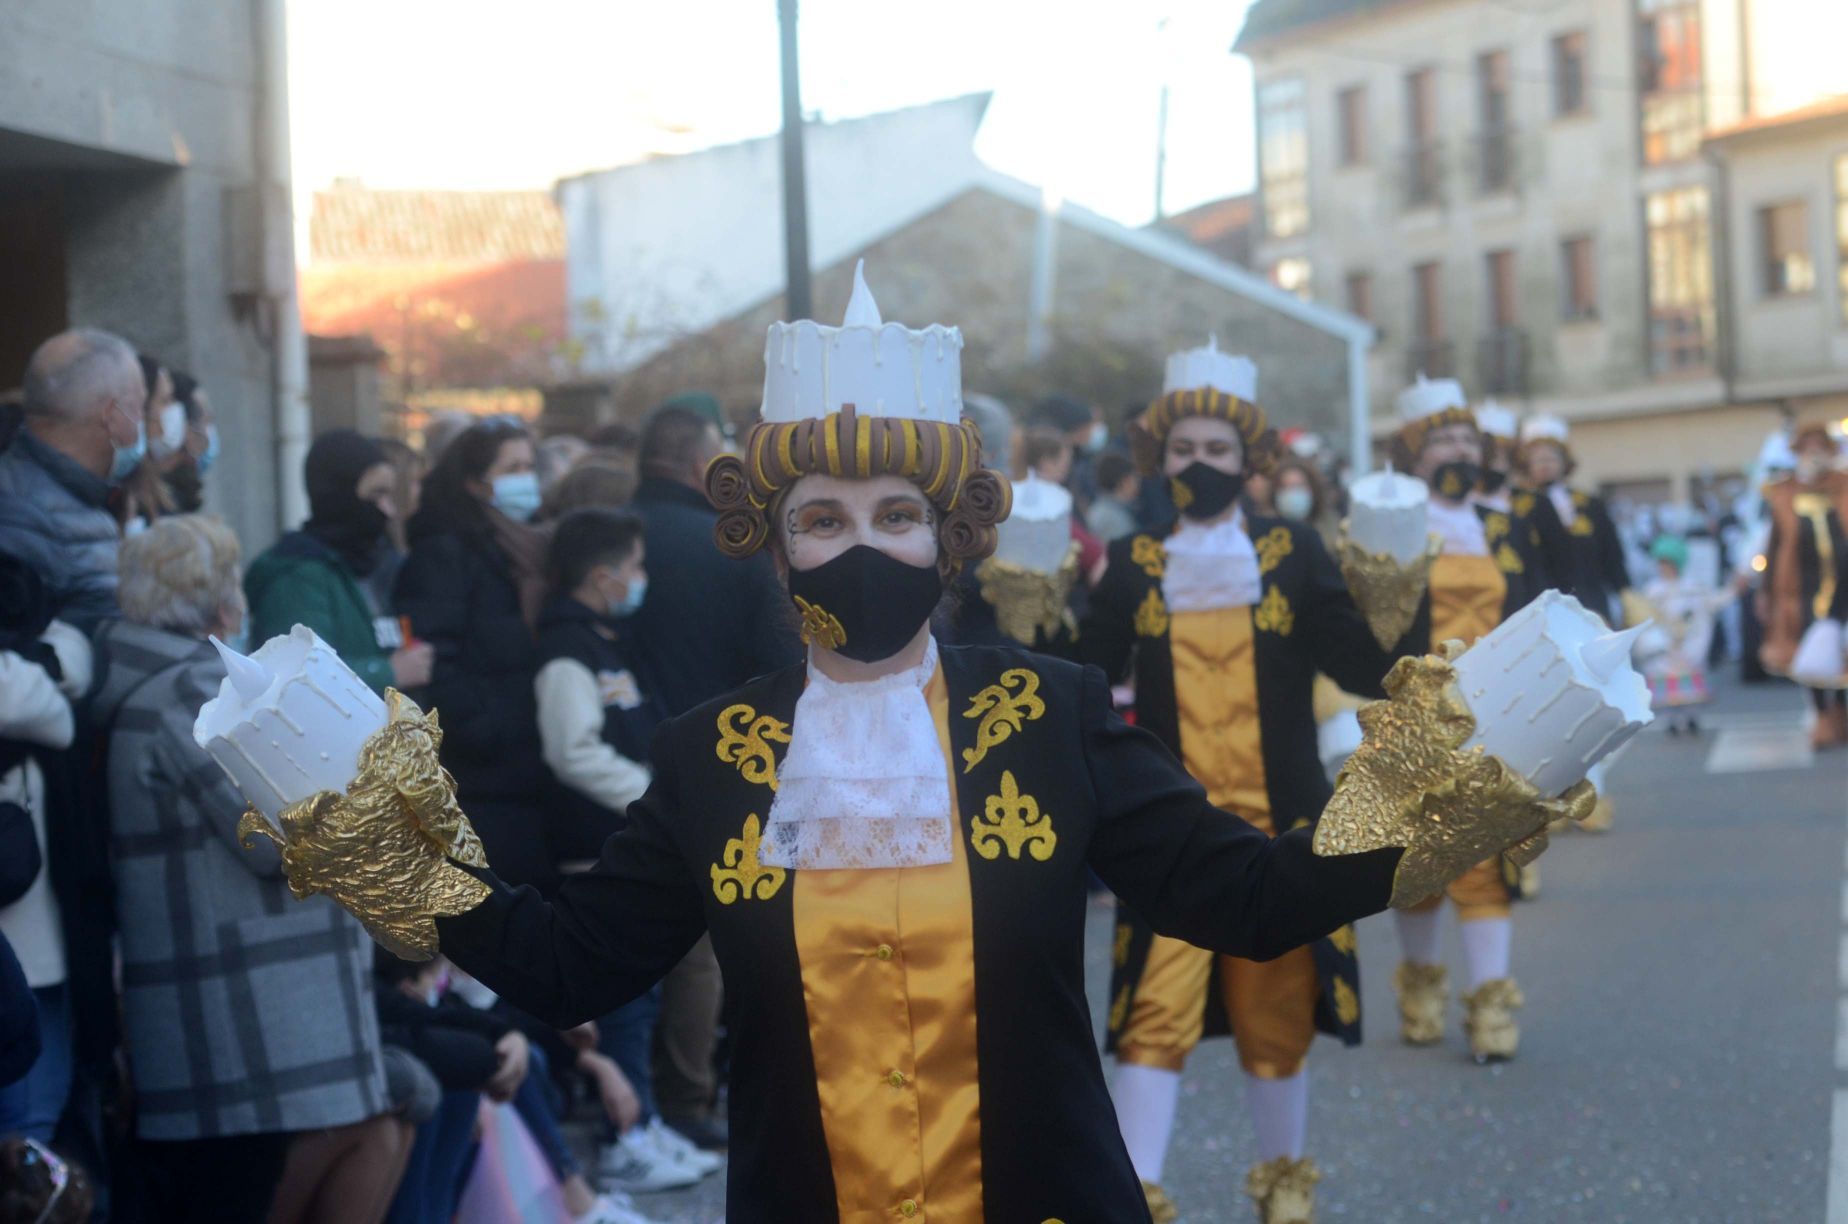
pixel 1388 515
pixel 1553 692
pixel 882 369
pixel 289 721
pixel 1497 421
pixel 1037 535
pixel 1427 397
pixel 1208 368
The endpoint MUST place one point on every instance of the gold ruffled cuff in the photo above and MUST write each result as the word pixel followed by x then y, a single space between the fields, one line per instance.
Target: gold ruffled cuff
pixel 1410 784
pixel 1387 592
pixel 1026 601
pixel 384 849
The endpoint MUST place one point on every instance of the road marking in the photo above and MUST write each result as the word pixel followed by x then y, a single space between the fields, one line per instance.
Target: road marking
pixel 1756 749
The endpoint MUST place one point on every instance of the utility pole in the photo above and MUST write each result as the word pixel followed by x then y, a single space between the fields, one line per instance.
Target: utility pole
pixel 1161 124
pixel 795 186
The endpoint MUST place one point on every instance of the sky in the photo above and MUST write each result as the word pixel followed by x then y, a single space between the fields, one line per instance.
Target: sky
pixel 483 94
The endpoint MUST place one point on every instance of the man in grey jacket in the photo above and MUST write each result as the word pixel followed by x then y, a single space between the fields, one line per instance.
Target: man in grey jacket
pixel 83 400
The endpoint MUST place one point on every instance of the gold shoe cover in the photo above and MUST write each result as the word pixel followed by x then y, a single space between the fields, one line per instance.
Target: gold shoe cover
pixel 1424 993
pixel 1488 1019
pixel 1283 1190
pixel 384 849
pixel 1161 1208
pixel 1410 784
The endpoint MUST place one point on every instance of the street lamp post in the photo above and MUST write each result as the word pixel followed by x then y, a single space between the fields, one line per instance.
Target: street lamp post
pixel 795 188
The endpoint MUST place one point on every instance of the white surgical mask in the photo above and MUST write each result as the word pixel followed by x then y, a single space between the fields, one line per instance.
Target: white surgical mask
pixel 172 433
pixel 1295 503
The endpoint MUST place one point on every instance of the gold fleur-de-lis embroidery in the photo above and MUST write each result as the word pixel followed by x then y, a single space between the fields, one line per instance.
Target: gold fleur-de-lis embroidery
pixel 1002 712
pixel 1342 937
pixel 1119 1010
pixel 1494 526
pixel 1149 554
pixel 1182 495
pixel 739 875
pixel 1273 614
pixel 1014 821
pixel 744 740
pixel 1347 1004
pixel 1277 544
pixel 1152 616
pixel 1522 504
pixel 1507 560
pixel 1119 955
pixel 820 627
pixel 1581 526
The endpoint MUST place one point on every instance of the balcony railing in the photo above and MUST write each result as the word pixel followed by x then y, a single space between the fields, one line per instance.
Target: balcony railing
pixel 1422 175
pixel 1434 358
pixel 1501 362
pixel 1494 154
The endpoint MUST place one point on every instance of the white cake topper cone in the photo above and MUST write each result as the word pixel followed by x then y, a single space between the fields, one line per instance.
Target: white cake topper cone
pixel 862 310
pixel 250 678
pixel 1603 656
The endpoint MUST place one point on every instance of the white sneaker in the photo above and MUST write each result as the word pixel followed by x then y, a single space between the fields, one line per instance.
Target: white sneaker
pixel 683 1150
pixel 634 1163
pixel 615 1208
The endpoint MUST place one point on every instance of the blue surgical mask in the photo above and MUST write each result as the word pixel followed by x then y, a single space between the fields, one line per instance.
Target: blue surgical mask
pixel 1100 437
pixel 632 602
pixel 516 495
pixel 128 458
pixel 210 455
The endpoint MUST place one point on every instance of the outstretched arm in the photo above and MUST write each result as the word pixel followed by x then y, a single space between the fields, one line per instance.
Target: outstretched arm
pixel 608 935
pixel 1199 874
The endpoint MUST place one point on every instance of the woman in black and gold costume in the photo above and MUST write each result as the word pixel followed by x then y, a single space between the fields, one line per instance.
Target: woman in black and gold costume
pixel 1486 570
pixel 890 845
pixel 1227 619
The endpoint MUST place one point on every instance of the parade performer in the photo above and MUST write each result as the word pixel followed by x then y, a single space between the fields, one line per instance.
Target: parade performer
pixel 1804 572
pixel 1501 433
pixel 1228 618
pixel 1483 571
pixel 1578 543
pixel 890 846
pixel 1675 646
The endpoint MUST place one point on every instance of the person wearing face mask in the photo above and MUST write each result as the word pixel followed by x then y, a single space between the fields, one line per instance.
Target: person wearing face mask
pixel 1085 434
pixel 317 576
pixel 1487 570
pixel 1501 431
pixel 143 496
pixel 1299 498
pixel 1227 618
pixel 82 434
pixel 198 450
pixel 471 587
pixel 890 845
pixel 1806 569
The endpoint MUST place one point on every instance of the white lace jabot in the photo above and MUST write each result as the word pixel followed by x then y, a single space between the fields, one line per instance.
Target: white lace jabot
pixel 864 783
pixel 1211 567
pixel 1459 527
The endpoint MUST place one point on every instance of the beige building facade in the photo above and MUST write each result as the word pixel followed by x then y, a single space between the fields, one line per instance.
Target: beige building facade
pixel 1526 198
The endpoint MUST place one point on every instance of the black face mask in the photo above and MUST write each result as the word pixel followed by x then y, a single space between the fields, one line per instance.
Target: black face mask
pixel 1204 492
pixel 1493 479
pixel 865 604
pixel 1453 481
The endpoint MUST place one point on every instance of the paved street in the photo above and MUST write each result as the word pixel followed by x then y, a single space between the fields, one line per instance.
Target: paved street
pixel 1680 1052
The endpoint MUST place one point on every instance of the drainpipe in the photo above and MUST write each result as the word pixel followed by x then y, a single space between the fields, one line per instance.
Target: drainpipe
pixel 1360 411
pixel 288 347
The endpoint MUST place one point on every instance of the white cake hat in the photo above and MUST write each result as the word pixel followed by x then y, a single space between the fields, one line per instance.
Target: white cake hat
pixel 1545 429
pixel 1497 421
pixel 1208 368
pixel 865 399
pixel 1427 397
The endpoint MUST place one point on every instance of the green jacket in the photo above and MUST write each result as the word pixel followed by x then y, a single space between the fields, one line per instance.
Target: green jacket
pixel 302 581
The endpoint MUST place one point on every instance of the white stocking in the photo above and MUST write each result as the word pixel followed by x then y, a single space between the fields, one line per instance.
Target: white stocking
pixel 1145 1102
pixel 1485 948
pixel 1279 1114
pixel 1418 934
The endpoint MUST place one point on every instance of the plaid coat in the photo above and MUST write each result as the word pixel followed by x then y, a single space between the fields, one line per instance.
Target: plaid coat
pixel 245 1010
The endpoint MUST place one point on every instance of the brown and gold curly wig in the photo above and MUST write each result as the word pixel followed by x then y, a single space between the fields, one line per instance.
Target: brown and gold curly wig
pixel 1409 442
pixel 944 461
pixel 1148 434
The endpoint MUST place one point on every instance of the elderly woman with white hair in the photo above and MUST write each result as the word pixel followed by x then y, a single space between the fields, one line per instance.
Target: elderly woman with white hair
pixel 249 1020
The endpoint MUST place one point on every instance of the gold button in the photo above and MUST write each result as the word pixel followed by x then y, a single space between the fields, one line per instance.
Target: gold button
pixel 883 952
pixel 909 1207
pixel 897 1079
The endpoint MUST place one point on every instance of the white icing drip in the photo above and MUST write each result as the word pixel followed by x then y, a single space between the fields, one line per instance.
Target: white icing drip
pixel 1549 703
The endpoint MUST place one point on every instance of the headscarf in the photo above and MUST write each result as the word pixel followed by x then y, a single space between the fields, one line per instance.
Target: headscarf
pixel 338 517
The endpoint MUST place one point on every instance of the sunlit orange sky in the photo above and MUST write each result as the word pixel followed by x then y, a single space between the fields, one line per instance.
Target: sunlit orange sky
pixel 488 94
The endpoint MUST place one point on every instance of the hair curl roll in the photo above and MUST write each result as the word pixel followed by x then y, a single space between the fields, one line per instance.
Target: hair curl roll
pixel 1148 433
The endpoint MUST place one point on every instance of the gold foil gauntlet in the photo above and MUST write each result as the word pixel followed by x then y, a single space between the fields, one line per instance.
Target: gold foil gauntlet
pixel 1387 592
pixel 1411 784
pixel 384 849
